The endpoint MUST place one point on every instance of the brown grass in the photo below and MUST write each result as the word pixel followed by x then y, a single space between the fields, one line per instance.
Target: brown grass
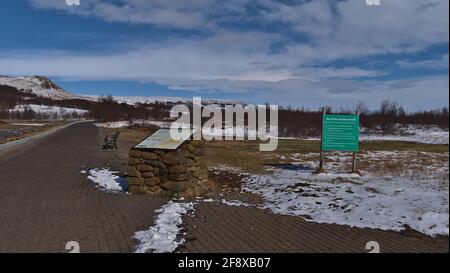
pixel 246 155
pixel 26 130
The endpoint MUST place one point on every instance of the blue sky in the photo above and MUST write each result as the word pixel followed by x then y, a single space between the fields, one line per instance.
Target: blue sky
pixel 298 53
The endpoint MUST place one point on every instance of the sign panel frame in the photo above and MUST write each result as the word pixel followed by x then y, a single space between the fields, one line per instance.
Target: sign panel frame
pixel 340 133
pixel 162 140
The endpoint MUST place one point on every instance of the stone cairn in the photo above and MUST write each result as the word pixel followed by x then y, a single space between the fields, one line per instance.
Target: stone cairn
pixel 171 173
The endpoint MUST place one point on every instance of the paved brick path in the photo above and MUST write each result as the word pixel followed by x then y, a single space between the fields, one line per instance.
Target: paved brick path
pixel 45 202
pixel 238 229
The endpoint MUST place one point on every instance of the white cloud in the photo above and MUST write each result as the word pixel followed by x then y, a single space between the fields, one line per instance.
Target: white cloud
pixel 200 70
pixel 334 29
pixel 396 24
pixel 441 63
pixel 351 28
pixel 239 60
pixel 223 57
pixel 176 14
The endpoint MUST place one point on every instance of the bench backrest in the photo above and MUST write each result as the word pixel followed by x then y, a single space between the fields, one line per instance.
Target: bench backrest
pixel 112 138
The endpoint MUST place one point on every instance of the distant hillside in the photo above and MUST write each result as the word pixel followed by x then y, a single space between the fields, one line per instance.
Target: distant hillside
pixel 43 87
pixel 39 86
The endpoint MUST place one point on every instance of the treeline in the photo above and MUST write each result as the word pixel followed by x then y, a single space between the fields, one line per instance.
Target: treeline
pixel 306 123
pixel 293 122
pixel 103 109
pixel 301 122
pixel 11 97
pixel 29 114
pixel 108 109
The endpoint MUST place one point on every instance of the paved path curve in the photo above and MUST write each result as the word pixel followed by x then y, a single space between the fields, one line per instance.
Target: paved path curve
pixel 45 202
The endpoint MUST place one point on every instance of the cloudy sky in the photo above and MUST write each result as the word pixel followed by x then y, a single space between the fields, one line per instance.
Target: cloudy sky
pixel 298 53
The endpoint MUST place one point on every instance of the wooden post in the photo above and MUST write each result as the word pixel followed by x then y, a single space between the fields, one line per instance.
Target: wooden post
pixel 321 167
pixel 354 157
pixel 354 162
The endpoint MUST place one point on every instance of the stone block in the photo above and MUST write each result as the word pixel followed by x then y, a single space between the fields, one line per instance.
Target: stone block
pixel 134 161
pixel 178 169
pixel 148 174
pixel 179 176
pixel 137 190
pixel 134 181
pixel 133 172
pixel 149 156
pixel 154 189
pixel 152 181
pixel 144 168
pixel 134 154
pixel 155 163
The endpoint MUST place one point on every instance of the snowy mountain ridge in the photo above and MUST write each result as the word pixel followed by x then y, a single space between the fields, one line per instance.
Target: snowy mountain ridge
pixel 43 87
pixel 38 85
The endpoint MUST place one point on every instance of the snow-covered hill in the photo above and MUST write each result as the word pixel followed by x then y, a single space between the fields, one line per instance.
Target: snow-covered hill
pixel 152 99
pixel 44 87
pixel 50 110
pixel 38 85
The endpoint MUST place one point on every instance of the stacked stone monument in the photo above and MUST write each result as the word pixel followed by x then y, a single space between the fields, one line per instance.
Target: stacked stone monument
pixel 173 173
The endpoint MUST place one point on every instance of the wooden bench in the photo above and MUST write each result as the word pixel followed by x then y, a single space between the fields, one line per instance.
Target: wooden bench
pixel 111 141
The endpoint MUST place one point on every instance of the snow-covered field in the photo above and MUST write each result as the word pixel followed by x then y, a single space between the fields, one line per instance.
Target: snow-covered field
pixel 29 124
pixel 161 99
pixel 410 133
pixel 370 200
pixel 107 180
pixel 124 124
pixel 164 235
pixel 215 132
pixel 49 110
pixel 113 124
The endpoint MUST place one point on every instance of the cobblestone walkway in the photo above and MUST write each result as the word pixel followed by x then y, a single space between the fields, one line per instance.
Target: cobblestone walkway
pixel 45 202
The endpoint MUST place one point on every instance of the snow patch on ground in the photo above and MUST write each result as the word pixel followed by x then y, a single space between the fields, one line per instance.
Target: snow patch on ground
pixel 163 236
pixel 49 110
pixel 410 133
pixel 107 180
pixel 132 100
pixel 125 124
pixel 217 133
pixel 234 203
pixel 371 200
pixel 231 203
pixel 29 124
pixel 113 124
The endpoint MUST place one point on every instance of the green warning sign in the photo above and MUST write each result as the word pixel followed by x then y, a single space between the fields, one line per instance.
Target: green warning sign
pixel 340 133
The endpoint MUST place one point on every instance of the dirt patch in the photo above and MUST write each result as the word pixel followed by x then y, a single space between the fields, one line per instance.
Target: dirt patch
pixel 229 187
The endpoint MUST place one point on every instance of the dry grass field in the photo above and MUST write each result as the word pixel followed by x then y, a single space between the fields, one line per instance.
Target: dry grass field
pixel 13 130
pixel 389 157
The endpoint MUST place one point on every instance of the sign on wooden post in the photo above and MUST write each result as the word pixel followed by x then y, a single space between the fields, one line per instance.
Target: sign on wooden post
pixel 339 133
